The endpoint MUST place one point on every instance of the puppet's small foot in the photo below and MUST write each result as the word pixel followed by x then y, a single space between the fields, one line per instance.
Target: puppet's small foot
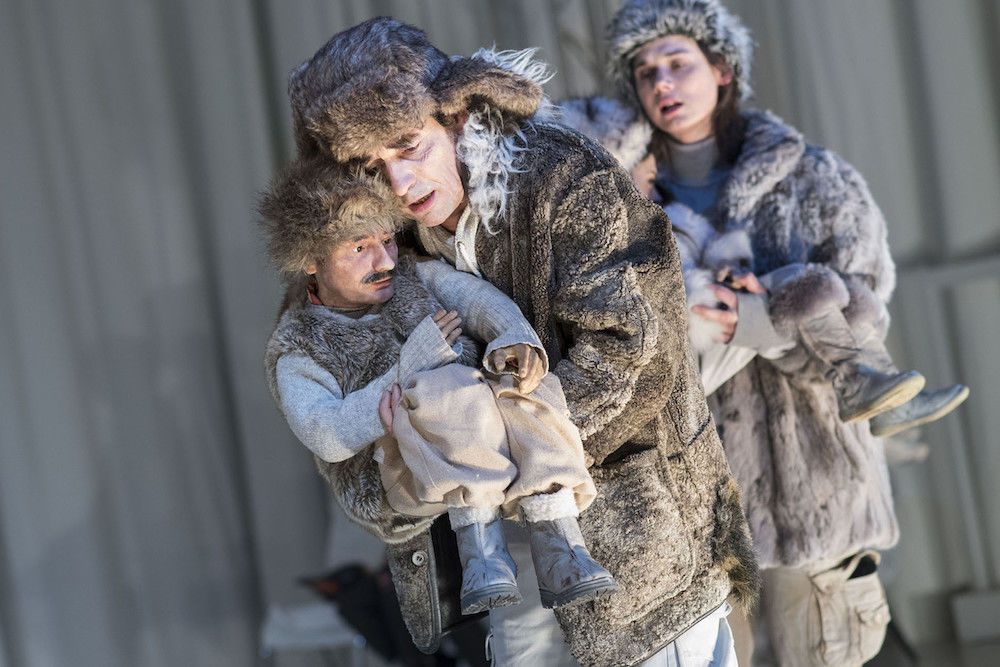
pixel 923 408
pixel 867 392
pixel 489 576
pixel 566 572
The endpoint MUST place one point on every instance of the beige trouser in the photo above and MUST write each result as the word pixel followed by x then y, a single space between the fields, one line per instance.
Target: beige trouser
pixel 821 617
pixel 463 439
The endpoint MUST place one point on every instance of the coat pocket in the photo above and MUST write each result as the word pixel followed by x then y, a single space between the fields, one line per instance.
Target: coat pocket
pixel 635 529
pixel 849 613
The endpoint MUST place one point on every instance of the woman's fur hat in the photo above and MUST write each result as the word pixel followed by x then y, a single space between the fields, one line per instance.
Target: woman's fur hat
pixel 316 204
pixel 705 21
pixel 375 81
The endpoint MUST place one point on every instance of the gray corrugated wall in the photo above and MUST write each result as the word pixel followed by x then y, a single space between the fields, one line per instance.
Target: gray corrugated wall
pixel 152 503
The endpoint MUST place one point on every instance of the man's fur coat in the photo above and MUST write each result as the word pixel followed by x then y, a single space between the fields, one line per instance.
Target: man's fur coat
pixel 593 267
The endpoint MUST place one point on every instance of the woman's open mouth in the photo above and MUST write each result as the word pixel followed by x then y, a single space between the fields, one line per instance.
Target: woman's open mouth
pixel 669 108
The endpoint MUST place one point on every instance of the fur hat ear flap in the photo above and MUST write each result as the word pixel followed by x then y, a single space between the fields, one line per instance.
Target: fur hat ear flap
pixel 465 82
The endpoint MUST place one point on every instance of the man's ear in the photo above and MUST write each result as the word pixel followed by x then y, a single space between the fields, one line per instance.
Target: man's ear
pixel 460 119
pixel 311 269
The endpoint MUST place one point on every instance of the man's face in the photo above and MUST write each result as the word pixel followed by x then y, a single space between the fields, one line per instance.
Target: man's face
pixel 677 86
pixel 422 169
pixel 356 273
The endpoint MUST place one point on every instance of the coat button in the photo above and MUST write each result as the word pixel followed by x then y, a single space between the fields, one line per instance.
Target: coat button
pixel 419 558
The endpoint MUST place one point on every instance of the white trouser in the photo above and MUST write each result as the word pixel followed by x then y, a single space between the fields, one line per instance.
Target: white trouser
pixel 528 635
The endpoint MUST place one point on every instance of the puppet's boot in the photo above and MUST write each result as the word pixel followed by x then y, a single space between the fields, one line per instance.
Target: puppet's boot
pixel 566 572
pixel 922 408
pixel 489 576
pixel 862 391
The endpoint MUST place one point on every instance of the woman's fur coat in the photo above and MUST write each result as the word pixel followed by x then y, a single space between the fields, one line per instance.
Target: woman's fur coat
pixel 813 487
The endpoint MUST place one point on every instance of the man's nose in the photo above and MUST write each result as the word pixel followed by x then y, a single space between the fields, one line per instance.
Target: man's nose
pixel 383 260
pixel 400 176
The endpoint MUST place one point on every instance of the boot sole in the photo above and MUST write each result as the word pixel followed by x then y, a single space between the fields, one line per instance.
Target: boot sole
pixel 578 593
pixel 886 431
pixel 490 597
pixel 893 398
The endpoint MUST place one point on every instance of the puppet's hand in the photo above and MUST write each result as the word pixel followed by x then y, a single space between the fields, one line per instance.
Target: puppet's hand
pixel 526 362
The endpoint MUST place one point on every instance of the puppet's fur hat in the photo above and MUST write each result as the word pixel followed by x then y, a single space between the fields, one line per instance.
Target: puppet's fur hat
pixel 373 82
pixel 705 21
pixel 316 204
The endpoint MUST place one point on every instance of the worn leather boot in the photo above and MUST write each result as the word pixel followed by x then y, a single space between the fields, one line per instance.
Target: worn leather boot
pixel 489 576
pixel 922 408
pixel 865 392
pixel 566 573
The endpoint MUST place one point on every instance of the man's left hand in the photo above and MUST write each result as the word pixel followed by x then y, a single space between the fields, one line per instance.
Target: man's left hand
pixel 526 362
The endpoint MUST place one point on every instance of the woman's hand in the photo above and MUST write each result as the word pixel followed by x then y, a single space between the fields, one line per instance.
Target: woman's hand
pixel 726 314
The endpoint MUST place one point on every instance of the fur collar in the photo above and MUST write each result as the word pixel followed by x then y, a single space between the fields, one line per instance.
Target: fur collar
pixel 489 144
pixel 771 150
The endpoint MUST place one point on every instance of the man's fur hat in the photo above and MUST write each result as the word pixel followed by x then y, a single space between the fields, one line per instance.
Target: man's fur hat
pixel 372 83
pixel 705 21
pixel 316 204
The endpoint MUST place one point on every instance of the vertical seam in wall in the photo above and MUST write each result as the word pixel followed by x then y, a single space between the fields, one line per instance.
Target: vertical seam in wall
pixel 267 65
pixel 926 153
pixel 193 158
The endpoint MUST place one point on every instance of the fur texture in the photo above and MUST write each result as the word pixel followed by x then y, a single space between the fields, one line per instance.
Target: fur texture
pixel 813 487
pixel 356 353
pixel 611 124
pixel 593 267
pixel 705 21
pixel 373 82
pixel 314 205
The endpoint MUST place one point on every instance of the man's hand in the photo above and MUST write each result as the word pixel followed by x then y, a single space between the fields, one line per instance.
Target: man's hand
pixel 726 314
pixel 390 399
pixel 526 362
pixel 448 323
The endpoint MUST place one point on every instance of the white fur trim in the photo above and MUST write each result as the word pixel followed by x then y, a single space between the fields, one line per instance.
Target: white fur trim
pixel 731 250
pixel 486 151
pixel 550 506
pixel 460 517
pixel 702 332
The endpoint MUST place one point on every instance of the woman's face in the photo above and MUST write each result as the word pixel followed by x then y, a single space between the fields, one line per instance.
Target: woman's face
pixel 677 86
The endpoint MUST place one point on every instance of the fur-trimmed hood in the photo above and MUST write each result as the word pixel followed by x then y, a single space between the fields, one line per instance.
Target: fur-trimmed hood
pixel 371 83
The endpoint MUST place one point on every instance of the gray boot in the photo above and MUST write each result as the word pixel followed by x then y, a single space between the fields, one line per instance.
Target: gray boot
pixel 864 392
pixel 566 573
pixel 922 408
pixel 489 576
